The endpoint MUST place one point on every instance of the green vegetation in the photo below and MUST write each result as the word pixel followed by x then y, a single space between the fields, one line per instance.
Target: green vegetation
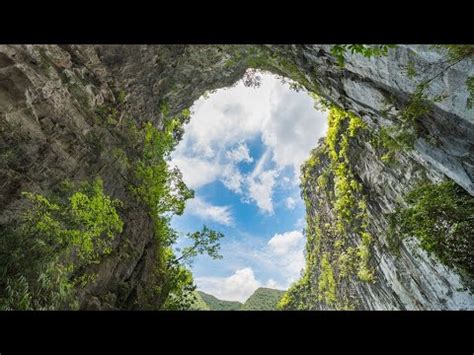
pixel 456 54
pixel 160 187
pixel 457 51
pixel 178 281
pixel 108 114
pixel 332 260
pixel 417 106
pixel 263 299
pixel 391 140
pixel 205 241
pixel 440 216
pixel 410 70
pixel 111 113
pixel 163 191
pixel 470 88
pixel 214 304
pixel 294 297
pixel 419 102
pixel 43 254
pixel 349 205
pixel 338 144
pixel 54 242
pixel 402 135
pixel 339 50
pixel 326 282
pixel 199 304
pixel 338 237
pixel 260 57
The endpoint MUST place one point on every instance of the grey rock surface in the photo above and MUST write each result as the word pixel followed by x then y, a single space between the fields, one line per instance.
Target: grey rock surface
pixel 49 131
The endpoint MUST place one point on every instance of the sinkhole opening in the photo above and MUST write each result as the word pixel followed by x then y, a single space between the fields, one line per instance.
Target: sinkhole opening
pixel 241 153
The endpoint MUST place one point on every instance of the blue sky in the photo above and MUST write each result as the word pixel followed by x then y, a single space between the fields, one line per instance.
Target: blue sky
pixel 241 154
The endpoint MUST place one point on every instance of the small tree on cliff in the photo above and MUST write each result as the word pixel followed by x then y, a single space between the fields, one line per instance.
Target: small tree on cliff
pixel 179 287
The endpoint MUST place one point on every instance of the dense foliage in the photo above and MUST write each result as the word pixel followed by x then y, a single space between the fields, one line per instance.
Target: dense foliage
pixel 212 303
pixel 338 240
pixel 45 252
pixel 55 237
pixel 161 188
pixel 440 216
pixel 367 51
pixel 199 304
pixel 393 139
pixel 263 299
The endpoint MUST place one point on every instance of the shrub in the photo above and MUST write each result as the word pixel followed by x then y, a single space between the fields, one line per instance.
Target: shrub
pixel 55 236
pixel 162 189
pixel 440 216
pixel 367 51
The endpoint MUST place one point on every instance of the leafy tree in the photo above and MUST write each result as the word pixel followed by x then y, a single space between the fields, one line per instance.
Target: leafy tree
pixel 179 285
pixel 180 288
pixel 162 189
pixel 42 251
pixel 205 241
pixel 160 186
pixel 175 285
pixel 441 217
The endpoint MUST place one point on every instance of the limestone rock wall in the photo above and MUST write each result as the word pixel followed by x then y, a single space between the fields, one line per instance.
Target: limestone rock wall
pixel 50 131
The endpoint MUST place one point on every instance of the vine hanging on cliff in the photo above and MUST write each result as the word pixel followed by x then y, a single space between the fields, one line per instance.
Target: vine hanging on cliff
pixel 341 238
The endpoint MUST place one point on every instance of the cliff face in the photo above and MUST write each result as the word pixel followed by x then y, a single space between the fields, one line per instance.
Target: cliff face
pixel 377 90
pixel 51 129
pixel 405 276
pixel 51 132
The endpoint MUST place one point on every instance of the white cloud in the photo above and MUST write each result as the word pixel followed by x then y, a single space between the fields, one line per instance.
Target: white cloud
pixel 213 143
pixel 290 203
pixel 260 189
pixel 197 172
pixel 281 244
pixel 212 149
pixel 260 184
pixel 286 252
pixel 239 154
pixel 279 261
pixel 237 287
pixel 273 284
pixel 206 211
pixel 232 178
pixel 294 128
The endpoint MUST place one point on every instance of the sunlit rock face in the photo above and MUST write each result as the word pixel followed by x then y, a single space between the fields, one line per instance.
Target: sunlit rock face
pixel 49 96
pixel 405 278
pixel 444 150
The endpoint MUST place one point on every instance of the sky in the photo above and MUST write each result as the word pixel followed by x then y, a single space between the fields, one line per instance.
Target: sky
pixel 241 154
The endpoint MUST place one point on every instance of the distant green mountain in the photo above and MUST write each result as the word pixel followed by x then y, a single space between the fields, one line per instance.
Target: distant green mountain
pixel 199 304
pixel 263 299
pixel 213 303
